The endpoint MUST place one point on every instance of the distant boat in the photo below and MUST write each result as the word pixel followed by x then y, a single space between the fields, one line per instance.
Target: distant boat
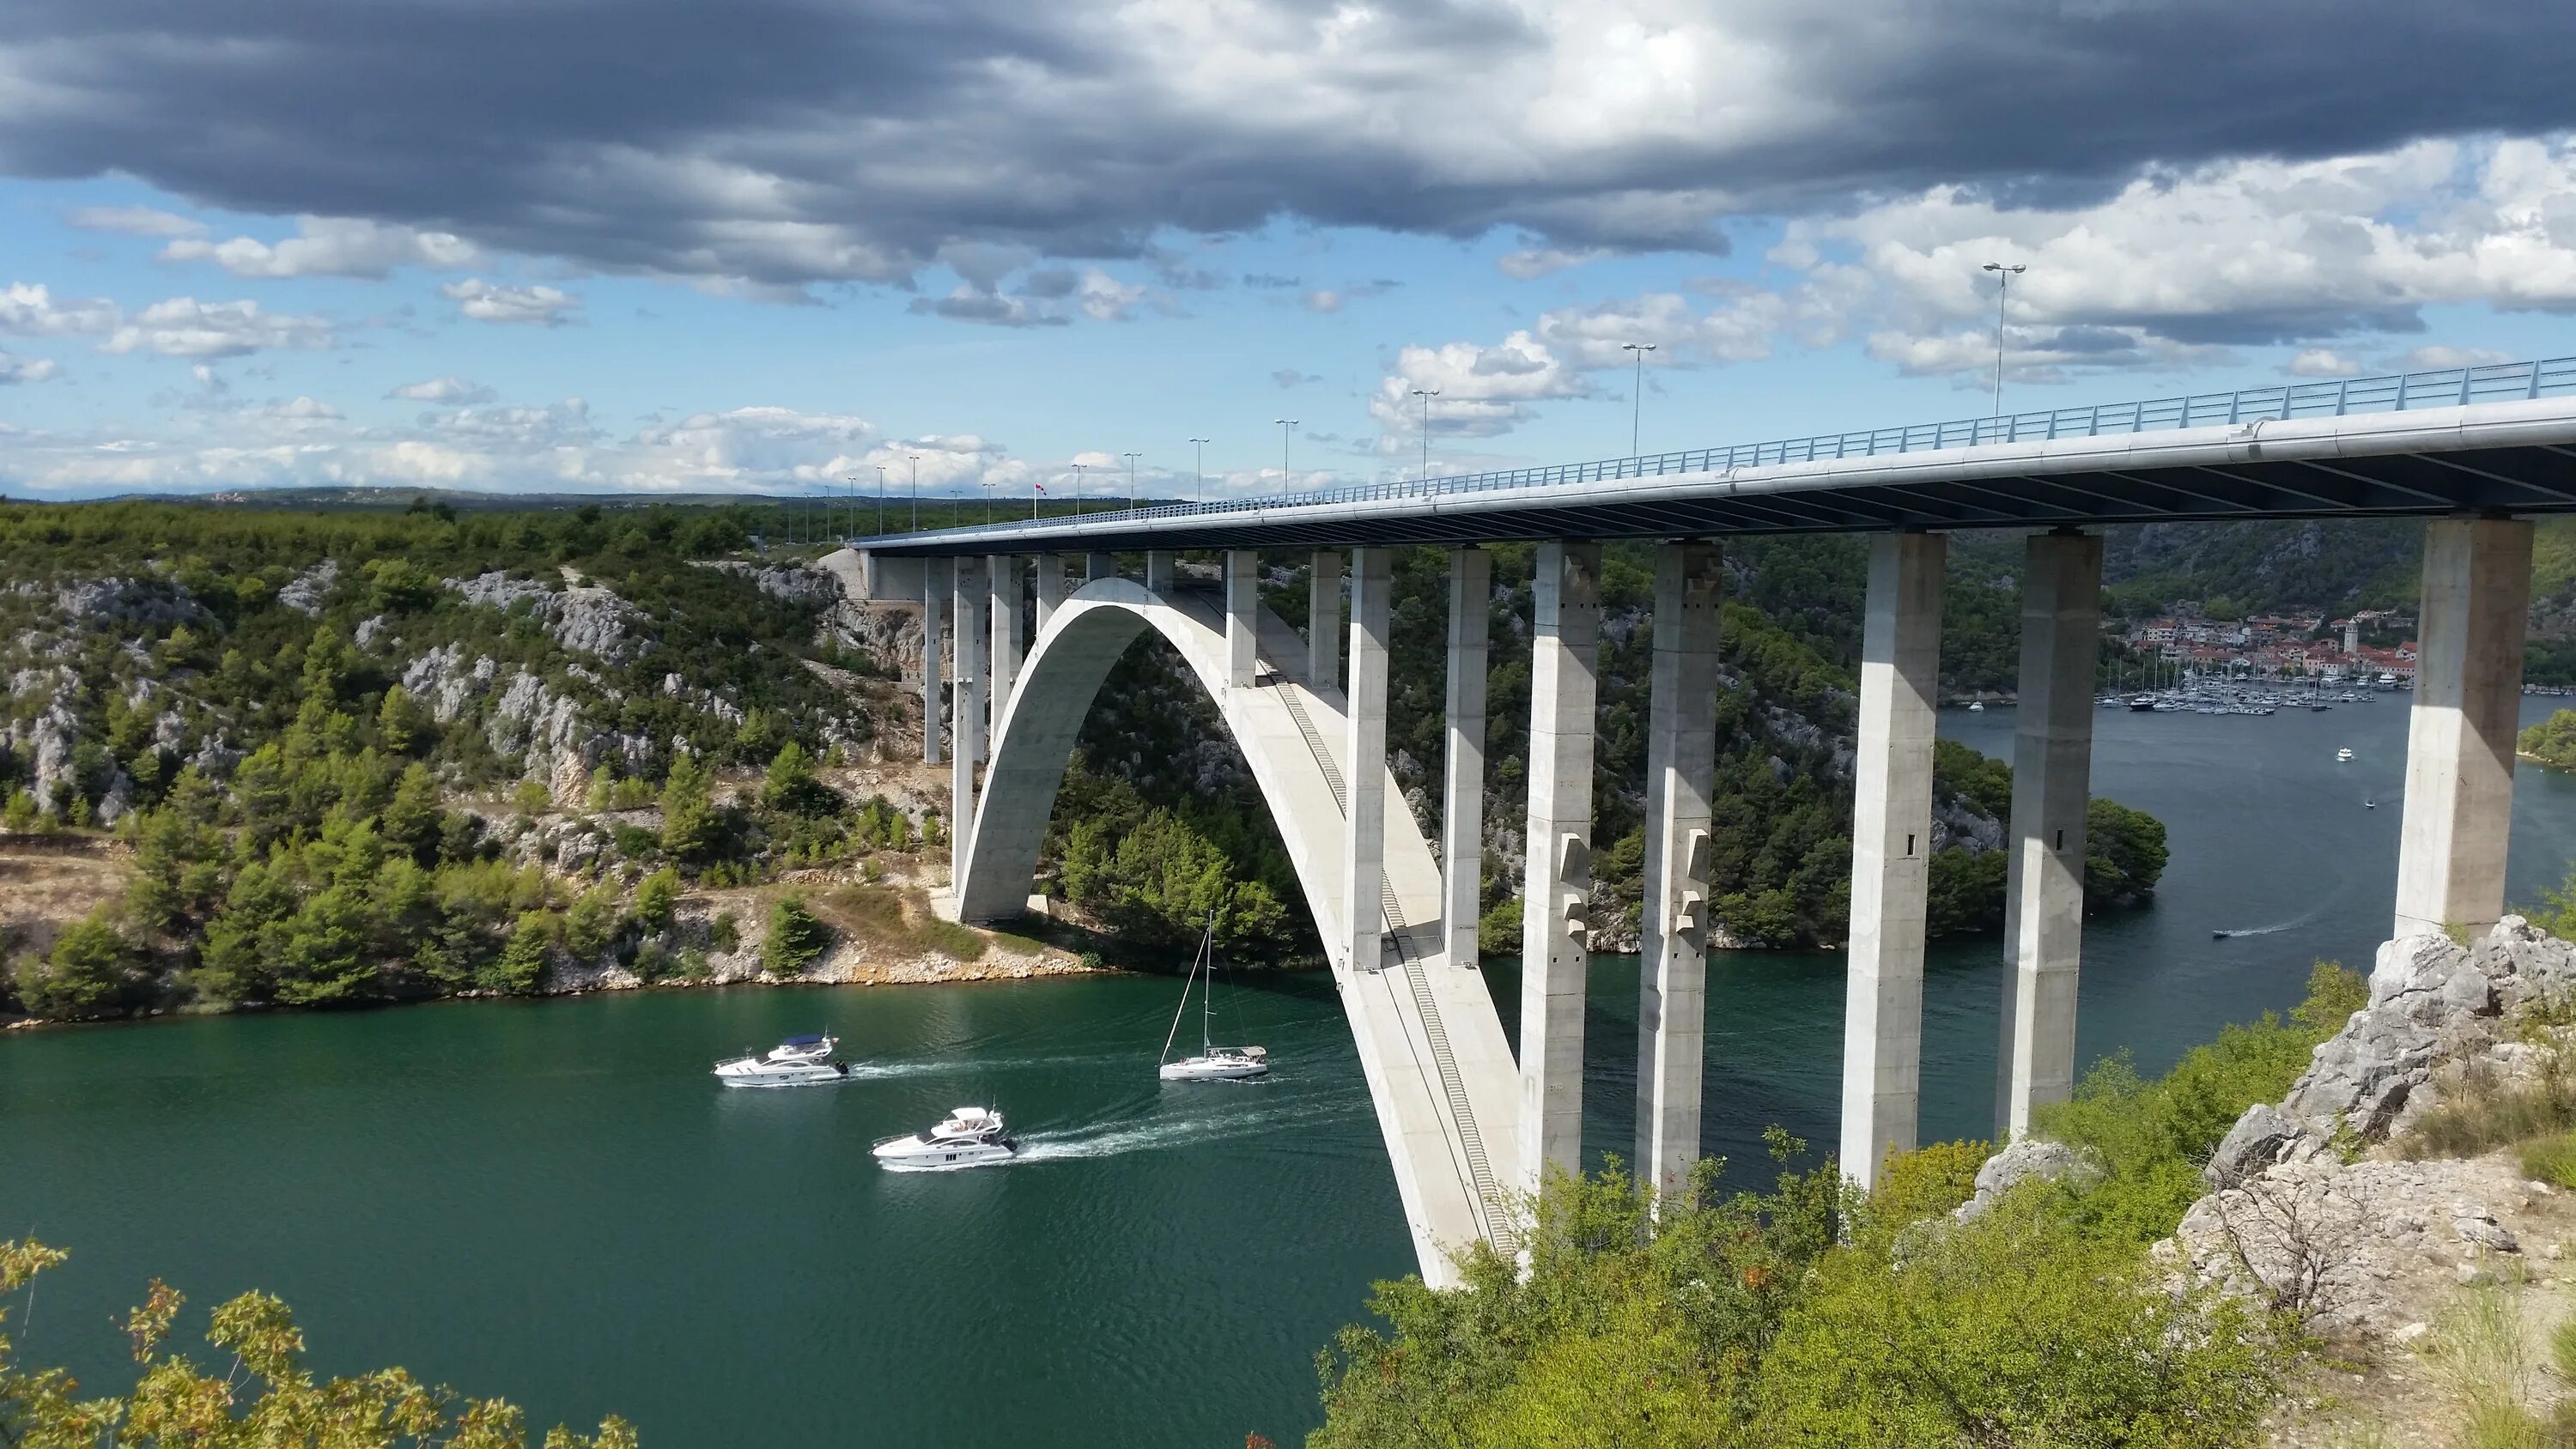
pixel 799 1061
pixel 2142 702
pixel 2369 804
pixel 1976 706
pixel 2343 756
pixel 1213 1063
pixel 2220 935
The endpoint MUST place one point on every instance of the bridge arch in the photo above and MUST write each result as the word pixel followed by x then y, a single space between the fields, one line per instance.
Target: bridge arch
pixel 1440 1072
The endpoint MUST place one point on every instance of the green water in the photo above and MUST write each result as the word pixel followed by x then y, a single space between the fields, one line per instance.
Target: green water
pixel 552 1202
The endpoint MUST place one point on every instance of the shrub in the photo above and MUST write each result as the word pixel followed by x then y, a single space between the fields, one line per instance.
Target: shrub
pixel 724 933
pixel 83 976
pixel 656 898
pixel 531 798
pixel 522 960
pixel 795 938
pixel 1927 1182
pixel 2551 1159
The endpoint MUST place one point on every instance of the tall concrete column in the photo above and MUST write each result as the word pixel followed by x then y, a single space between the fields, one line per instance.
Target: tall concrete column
pixel 2460 734
pixel 933 640
pixel 1462 791
pixel 1242 615
pixel 1557 880
pixel 1004 572
pixel 1324 621
pixel 1364 764
pixel 1900 664
pixel 2061 630
pixel 1050 590
pixel 1159 568
pixel 1681 771
pixel 1098 566
pixel 969 712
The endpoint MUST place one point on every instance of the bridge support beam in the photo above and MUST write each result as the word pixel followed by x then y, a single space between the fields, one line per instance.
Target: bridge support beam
pixel 933 630
pixel 1242 615
pixel 968 747
pixel 2061 627
pixel 1462 793
pixel 1324 622
pixel 1364 764
pixel 1159 570
pixel 1098 566
pixel 2460 734
pixel 1900 664
pixel 1681 770
pixel 1004 572
pixel 1557 879
pixel 1050 591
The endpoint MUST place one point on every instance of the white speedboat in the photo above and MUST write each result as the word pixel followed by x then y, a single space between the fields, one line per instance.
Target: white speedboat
pixel 2343 757
pixel 970 1137
pixel 1213 1063
pixel 799 1061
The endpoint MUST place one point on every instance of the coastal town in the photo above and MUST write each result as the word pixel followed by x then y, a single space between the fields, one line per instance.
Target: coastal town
pixel 2373 647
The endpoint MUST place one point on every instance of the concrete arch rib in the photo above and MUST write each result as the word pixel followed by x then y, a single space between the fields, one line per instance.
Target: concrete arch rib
pixel 1440 1072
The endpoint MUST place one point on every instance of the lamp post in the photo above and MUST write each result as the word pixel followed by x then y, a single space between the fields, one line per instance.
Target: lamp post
pixel 1077 490
pixel 1637 402
pixel 2003 288
pixel 916 491
pixel 1131 482
pixel 1201 494
pixel 1284 425
pixel 1426 394
pixel 881 487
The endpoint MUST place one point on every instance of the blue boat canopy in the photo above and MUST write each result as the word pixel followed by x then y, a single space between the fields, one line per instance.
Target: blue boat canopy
pixel 815 1040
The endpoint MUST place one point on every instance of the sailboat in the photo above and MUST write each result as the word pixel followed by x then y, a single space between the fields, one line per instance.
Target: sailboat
pixel 1213 1063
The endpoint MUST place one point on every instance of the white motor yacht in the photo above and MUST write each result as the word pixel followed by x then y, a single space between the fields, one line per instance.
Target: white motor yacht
pixel 799 1061
pixel 970 1137
pixel 2343 756
pixel 1213 1063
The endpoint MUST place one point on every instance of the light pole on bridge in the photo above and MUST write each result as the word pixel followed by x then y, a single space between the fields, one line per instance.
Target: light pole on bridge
pixel 2003 288
pixel 1637 402
pixel 1132 503
pixel 916 491
pixel 1284 425
pixel 1426 394
pixel 1201 494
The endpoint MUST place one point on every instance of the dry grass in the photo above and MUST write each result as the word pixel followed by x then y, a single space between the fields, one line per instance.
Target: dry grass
pixel 896 921
pixel 43 889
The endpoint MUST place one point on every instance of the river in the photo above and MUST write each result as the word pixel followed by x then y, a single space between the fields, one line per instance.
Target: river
pixel 550 1201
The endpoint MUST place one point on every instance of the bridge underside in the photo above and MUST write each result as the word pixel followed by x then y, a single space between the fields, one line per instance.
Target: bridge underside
pixel 1439 1069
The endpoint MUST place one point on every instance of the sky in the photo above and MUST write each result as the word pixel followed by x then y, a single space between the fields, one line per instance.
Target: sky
pixel 777 246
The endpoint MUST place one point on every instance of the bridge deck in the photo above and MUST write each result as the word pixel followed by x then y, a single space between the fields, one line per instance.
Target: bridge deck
pixel 2501 439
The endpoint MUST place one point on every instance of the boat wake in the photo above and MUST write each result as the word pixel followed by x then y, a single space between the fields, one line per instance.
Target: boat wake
pixel 1172 1132
pixel 2289 925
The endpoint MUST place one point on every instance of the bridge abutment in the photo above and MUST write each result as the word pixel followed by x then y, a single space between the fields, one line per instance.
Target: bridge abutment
pixel 2461 732
pixel 1681 767
pixel 1891 851
pixel 1555 938
pixel 1462 791
pixel 2061 626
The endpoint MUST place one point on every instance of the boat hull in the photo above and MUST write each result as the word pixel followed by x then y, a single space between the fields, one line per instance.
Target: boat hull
pixel 812 1074
pixel 1195 1070
pixel 943 1157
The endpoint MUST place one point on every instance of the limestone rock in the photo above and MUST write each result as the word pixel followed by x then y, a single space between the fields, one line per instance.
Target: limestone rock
pixel 2031 1157
pixel 2478 1227
pixel 2260 1138
pixel 304 593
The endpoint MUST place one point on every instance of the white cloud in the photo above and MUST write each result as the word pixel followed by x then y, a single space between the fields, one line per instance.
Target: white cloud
pixel 134 221
pixel 1483 390
pixel 186 327
pixel 491 302
pixel 330 246
pixel 1533 262
pixel 14 370
pixel 2439 359
pixel 302 410
pixel 2323 362
pixel 454 390
pixel 28 309
pixel 1323 299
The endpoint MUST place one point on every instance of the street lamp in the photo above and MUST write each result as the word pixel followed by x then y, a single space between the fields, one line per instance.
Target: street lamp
pixel 2003 288
pixel 1131 481
pixel 1637 402
pixel 1284 425
pixel 1426 394
pixel 1202 483
pixel 881 487
pixel 1077 490
pixel 916 491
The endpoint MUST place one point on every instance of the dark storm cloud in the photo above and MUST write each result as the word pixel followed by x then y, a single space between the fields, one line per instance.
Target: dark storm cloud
pixel 785 142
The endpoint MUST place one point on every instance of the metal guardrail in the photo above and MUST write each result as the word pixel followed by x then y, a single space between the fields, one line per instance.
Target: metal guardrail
pixel 2396 392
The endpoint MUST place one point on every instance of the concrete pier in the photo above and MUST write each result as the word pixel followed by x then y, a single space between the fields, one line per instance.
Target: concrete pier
pixel 1364 763
pixel 967 749
pixel 1098 566
pixel 1681 769
pixel 1462 789
pixel 1242 570
pixel 934 588
pixel 2460 734
pixel 1557 878
pixel 1050 591
pixel 1324 622
pixel 2061 627
pixel 1900 675
pixel 1003 666
pixel 1159 569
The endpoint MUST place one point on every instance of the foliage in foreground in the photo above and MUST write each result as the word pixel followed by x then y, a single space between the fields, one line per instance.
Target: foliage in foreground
pixel 264 1394
pixel 1812 1315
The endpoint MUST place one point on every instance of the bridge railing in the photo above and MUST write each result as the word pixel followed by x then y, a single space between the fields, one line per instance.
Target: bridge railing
pixel 2395 392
